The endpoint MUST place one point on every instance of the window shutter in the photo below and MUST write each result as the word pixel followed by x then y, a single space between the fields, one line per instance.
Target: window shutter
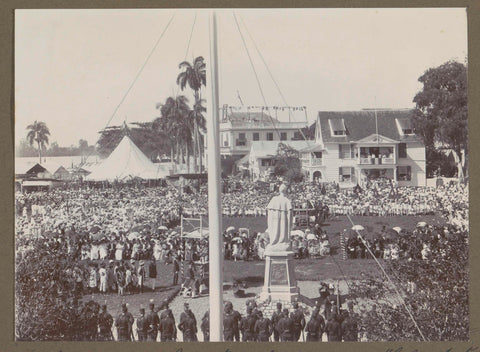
pixel 340 151
pixel 352 151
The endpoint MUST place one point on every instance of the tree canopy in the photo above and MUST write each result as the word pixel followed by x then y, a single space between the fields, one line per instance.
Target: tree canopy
pixel 287 163
pixel 38 133
pixel 441 112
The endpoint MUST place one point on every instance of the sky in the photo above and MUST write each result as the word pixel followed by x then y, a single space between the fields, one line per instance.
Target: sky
pixel 73 68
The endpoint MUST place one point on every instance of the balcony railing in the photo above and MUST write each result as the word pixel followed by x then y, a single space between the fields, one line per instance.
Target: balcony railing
pixel 377 161
pixel 312 162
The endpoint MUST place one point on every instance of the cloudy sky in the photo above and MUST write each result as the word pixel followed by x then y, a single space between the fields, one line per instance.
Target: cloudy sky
pixel 73 67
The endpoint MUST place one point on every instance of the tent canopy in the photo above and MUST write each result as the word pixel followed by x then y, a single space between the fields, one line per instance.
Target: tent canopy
pixel 126 162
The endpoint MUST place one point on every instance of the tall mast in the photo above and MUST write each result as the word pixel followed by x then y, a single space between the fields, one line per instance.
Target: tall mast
pixel 214 193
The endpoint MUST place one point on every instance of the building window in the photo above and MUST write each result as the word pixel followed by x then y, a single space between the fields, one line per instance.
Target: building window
pixel 266 162
pixel 256 136
pixel 283 136
pixel 270 136
pixel 402 150
pixel 405 126
pixel 297 135
pixel 346 151
pixel 345 174
pixel 404 173
pixel 241 141
pixel 337 127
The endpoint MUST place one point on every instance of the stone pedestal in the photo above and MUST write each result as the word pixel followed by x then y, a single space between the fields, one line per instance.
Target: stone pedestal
pixel 280 282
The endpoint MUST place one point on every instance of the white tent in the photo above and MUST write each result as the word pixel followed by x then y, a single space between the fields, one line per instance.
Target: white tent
pixel 125 162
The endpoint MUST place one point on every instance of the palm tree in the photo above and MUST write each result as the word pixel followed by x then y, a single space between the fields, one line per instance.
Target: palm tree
pixel 173 121
pixel 195 76
pixel 38 132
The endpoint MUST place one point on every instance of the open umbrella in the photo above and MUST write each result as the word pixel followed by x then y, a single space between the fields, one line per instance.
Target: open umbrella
pixel 422 224
pixel 358 228
pixel 230 229
pixel 133 235
pixel 297 233
pixel 397 229
pixel 163 228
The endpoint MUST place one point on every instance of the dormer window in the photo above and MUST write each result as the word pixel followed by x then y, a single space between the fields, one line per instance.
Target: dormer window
pixel 404 126
pixel 337 127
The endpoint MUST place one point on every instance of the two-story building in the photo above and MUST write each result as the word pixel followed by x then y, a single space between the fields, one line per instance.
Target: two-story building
pixel 352 146
pixel 239 129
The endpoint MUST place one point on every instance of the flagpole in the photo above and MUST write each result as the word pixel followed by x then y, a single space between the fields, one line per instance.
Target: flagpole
pixel 214 194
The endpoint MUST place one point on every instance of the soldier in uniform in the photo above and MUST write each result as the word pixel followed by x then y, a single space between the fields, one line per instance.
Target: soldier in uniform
pixel 285 327
pixel 230 324
pixel 188 324
pixel 153 322
pixel 333 328
pixel 314 328
pixel 167 328
pixel 205 326
pixel 276 316
pixel 349 328
pixel 124 323
pixel 166 310
pixel 105 322
pixel 298 322
pixel 142 325
pixel 263 328
pixel 247 325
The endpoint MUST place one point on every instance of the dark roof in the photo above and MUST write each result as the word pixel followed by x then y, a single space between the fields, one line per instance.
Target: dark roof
pixel 361 124
pixel 257 117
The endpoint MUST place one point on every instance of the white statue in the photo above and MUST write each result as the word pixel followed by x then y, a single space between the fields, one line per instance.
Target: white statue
pixel 279 212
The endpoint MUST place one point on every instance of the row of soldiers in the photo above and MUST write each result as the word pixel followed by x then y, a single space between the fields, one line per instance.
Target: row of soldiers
pixel 283 326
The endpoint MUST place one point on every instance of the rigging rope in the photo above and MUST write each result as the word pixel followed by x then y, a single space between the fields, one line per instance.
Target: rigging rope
pixel 270 73
pixel 389 280
pixel 137 76
pixel 255 72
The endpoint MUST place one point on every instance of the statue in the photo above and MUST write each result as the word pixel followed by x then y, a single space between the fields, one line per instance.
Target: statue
pixel 279 212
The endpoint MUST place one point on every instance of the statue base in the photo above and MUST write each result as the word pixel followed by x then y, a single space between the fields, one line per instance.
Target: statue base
pixel 280 283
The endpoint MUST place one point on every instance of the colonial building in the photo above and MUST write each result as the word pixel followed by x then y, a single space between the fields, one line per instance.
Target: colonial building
pixel 262 155
pixel 239 129
pixel 353 146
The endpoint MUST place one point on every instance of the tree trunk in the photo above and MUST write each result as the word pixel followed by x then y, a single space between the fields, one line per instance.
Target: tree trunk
pixel 195 144
pixel 39 152
pixel 200 154
pixel 460 174
pixel 188 158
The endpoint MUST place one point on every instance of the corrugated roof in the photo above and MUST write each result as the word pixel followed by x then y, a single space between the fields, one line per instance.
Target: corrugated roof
pixel 361 124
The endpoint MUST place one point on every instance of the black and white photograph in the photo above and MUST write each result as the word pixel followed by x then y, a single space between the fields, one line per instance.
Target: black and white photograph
pixel 248 175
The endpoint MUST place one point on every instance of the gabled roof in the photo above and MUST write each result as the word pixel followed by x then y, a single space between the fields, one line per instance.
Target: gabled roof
pixel 374 138
pixel 361 124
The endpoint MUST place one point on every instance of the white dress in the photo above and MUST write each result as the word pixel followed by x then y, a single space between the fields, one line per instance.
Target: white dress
pixel 119 251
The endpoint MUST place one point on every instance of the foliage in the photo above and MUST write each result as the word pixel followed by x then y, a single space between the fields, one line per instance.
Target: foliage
pixel 173 122
pixel 438 163
pixel 46 303
pixel 150 141
pixel 287 163
pixel 439 303
pixel 441 113
pixel 38 133
pixel 194 75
